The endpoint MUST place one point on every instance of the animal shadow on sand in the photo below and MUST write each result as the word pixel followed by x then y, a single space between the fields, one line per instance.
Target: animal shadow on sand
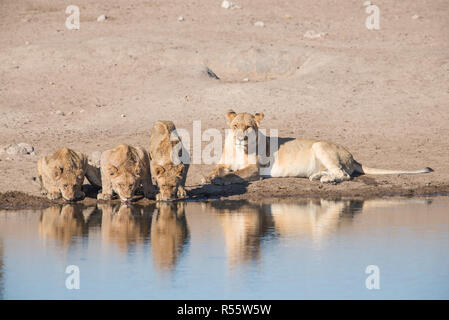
pixel 216 191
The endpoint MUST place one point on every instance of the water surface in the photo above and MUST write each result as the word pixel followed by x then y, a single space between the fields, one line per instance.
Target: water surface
pixel 228 250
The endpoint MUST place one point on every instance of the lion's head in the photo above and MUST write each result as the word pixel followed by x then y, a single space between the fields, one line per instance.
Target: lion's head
pixel 125 179
pixel 244 127
pixel 69 181
pixel 169 178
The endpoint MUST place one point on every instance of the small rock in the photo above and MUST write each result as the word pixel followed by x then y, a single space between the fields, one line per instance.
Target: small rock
pixel 226 4
pixel 123 115
pixel 27 147
pixel 82 110
pixel 70 113
pixel 21 148
pixel 311 34
pixel 259 24
pixel 101 18
pixel 27 43
pixel 95 158
pixel 59 113
pixel 180 18
pixel 414 17
pixel 245 80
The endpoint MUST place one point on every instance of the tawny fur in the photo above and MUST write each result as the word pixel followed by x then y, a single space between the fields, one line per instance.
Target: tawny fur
pixel 313 159
pixel 123 170
pixel 62 174
pixel 165 150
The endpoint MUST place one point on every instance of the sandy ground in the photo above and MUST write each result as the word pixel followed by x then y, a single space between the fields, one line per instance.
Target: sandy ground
pixel 384 94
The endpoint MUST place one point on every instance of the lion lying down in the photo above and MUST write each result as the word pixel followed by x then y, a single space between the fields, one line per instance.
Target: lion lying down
pixel 313 159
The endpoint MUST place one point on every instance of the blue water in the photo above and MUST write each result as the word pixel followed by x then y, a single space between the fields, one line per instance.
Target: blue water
pixel 229 250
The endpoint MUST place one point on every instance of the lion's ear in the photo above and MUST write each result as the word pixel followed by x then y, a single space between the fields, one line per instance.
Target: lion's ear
pixel 230 115
pixel 258 117
pixel 57 172
pixel 158 170
pixel 111 170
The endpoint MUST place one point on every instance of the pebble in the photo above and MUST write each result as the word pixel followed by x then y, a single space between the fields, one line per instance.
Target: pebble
pixel 259 24
pixel 311 34
pixel 226 4
pixel 414 17
pixel 180 18
pixel 229 5
pixel 101 18
pixel 123 115
pixel 20 148
pixel 59 113
pixel 95 158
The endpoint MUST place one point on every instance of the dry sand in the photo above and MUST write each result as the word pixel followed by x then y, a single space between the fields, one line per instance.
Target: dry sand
pixel 384 94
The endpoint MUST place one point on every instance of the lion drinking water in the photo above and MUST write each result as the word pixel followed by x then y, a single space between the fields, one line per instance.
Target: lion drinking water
pixel 123 170
pixel 62 174
pixel 166 150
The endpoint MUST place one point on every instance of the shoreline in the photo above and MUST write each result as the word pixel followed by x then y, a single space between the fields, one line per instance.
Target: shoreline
pixel 18 200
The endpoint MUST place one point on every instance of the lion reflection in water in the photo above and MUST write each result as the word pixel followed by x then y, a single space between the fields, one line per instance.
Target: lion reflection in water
pixel 169 234
pixel 63 223
pixel 165 225
pixel 125 225
pixel 247 225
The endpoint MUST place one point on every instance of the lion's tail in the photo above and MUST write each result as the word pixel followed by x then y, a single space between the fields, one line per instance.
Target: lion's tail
pixel 366 170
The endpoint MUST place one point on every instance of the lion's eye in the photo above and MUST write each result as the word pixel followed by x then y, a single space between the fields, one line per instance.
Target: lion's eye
pixel 65 186
pixel 235 126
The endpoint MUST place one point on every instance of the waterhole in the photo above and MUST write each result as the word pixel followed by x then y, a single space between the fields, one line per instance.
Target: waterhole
pixel 229 249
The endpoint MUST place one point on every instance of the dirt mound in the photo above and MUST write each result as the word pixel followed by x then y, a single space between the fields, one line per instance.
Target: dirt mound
pixel 20 200
pixel 255 64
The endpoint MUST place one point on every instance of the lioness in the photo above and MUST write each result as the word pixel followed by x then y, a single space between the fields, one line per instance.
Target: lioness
pixel 62 174
pixel 313 159
pixel 123 170
pixel 166 151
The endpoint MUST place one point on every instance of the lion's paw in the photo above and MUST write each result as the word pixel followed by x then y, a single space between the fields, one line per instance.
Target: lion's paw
pixel 54 195
pixel 104 196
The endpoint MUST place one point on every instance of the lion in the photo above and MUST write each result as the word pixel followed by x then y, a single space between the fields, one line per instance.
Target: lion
pixel 306 158
pixel 166 152
pixel 62 174
pixel 123 170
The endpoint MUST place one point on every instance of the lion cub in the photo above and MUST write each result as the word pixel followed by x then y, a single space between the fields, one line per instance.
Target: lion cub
pixel 166 152
pixel 62 174
pixel 123 170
